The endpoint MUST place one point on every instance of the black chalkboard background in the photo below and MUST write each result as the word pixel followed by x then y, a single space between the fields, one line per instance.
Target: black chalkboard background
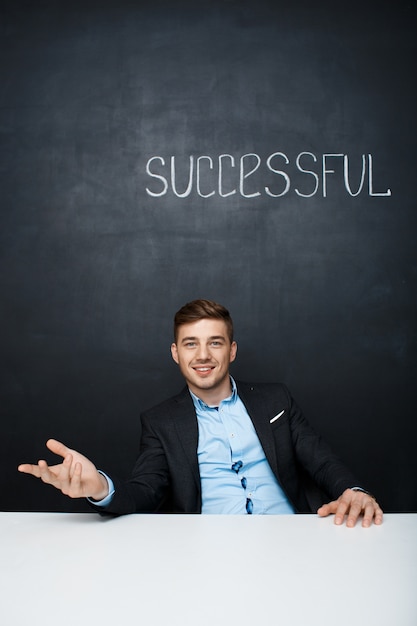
pixel 322 286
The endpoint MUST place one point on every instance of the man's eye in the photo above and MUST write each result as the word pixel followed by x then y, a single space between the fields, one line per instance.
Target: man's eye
pixel 190 344
pixel 216 343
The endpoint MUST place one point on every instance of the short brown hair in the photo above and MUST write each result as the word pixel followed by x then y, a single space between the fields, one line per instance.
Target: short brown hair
pixel 202 309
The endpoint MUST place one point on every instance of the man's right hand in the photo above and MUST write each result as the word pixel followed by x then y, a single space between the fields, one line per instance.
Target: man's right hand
pixel 76 476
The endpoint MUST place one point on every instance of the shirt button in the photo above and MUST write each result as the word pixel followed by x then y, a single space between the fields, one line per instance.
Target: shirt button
pixel 232 435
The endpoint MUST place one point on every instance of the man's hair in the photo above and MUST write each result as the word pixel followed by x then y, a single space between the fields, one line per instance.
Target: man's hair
pixel 200 310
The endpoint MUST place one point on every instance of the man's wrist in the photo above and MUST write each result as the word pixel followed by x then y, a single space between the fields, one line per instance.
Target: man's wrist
pixel 108 491
pixel 368 493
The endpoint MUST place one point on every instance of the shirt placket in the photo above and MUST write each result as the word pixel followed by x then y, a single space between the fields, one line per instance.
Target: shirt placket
pixel 233 430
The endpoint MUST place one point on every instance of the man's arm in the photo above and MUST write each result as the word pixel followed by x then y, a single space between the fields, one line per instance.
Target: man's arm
pixel 76 476
pixel 332 476
pixel 147 487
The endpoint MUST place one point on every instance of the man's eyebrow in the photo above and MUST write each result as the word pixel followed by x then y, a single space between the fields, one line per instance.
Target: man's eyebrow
pixel 188 339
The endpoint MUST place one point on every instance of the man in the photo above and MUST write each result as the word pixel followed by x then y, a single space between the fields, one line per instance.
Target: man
pixel 219 446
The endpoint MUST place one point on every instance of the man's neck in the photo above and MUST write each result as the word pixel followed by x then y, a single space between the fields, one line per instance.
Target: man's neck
pixel 213 397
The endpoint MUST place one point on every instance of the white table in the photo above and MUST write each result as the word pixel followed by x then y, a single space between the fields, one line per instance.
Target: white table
pixel 199 570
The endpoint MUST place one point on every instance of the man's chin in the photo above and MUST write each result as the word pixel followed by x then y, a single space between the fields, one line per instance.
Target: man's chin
pixel 204 382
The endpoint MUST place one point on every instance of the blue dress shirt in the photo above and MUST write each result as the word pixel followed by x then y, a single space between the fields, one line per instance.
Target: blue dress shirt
pixel 235 475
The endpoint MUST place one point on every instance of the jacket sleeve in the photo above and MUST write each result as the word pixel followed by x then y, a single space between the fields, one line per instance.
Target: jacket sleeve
pixel 147 488
pixel 316 457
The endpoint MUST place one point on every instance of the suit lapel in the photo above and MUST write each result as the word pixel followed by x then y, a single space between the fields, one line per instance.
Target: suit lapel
pixel 258 412
pixel 185 423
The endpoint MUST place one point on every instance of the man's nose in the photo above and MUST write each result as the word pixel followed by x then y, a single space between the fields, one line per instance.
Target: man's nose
pixel 203 353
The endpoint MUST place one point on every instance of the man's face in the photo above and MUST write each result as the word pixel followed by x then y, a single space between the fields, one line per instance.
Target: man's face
pixel 203 352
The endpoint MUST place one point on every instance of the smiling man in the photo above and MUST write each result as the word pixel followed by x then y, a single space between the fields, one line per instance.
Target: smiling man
pixel 203 351
pixel 220 446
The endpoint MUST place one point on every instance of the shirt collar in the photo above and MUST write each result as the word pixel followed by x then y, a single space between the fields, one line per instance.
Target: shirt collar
pixel 200 404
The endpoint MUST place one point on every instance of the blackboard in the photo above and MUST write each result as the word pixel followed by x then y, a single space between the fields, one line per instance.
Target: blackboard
pixel 257 154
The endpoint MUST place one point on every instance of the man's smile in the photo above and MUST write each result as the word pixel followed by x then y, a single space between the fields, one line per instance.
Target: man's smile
pixel 202 369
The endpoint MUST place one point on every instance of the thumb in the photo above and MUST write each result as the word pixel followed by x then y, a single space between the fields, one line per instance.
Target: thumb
pixel 327 509
pixel 57 447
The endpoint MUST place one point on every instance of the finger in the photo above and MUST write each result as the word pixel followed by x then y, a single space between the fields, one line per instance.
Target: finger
pixel 341 509
pixel 379 515
pixel 56 475
pixel 68 466
pixel 35 470
pixel 64 476
pixel 323 511
pixel 355 510
pixel 372 512
pixel 327 509
pixel 76 489
pixel 48 475
pixel 368 514
pixel 366 506
pixel 72 485
pixel 41 470
pixel 28 468
pixel 57 447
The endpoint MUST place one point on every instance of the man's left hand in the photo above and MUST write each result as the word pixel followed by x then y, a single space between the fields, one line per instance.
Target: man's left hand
pixel 353 504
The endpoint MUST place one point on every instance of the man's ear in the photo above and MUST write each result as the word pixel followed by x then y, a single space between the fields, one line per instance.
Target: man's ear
pixel 233 351
pixel 174 352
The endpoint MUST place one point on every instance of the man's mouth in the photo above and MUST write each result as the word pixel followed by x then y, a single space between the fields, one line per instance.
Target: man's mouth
pixel 203 369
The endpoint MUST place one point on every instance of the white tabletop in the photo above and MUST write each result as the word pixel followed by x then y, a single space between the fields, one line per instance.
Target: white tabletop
pixel 200 570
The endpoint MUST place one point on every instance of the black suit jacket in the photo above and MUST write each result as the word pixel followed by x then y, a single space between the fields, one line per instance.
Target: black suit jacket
pixel 166 475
